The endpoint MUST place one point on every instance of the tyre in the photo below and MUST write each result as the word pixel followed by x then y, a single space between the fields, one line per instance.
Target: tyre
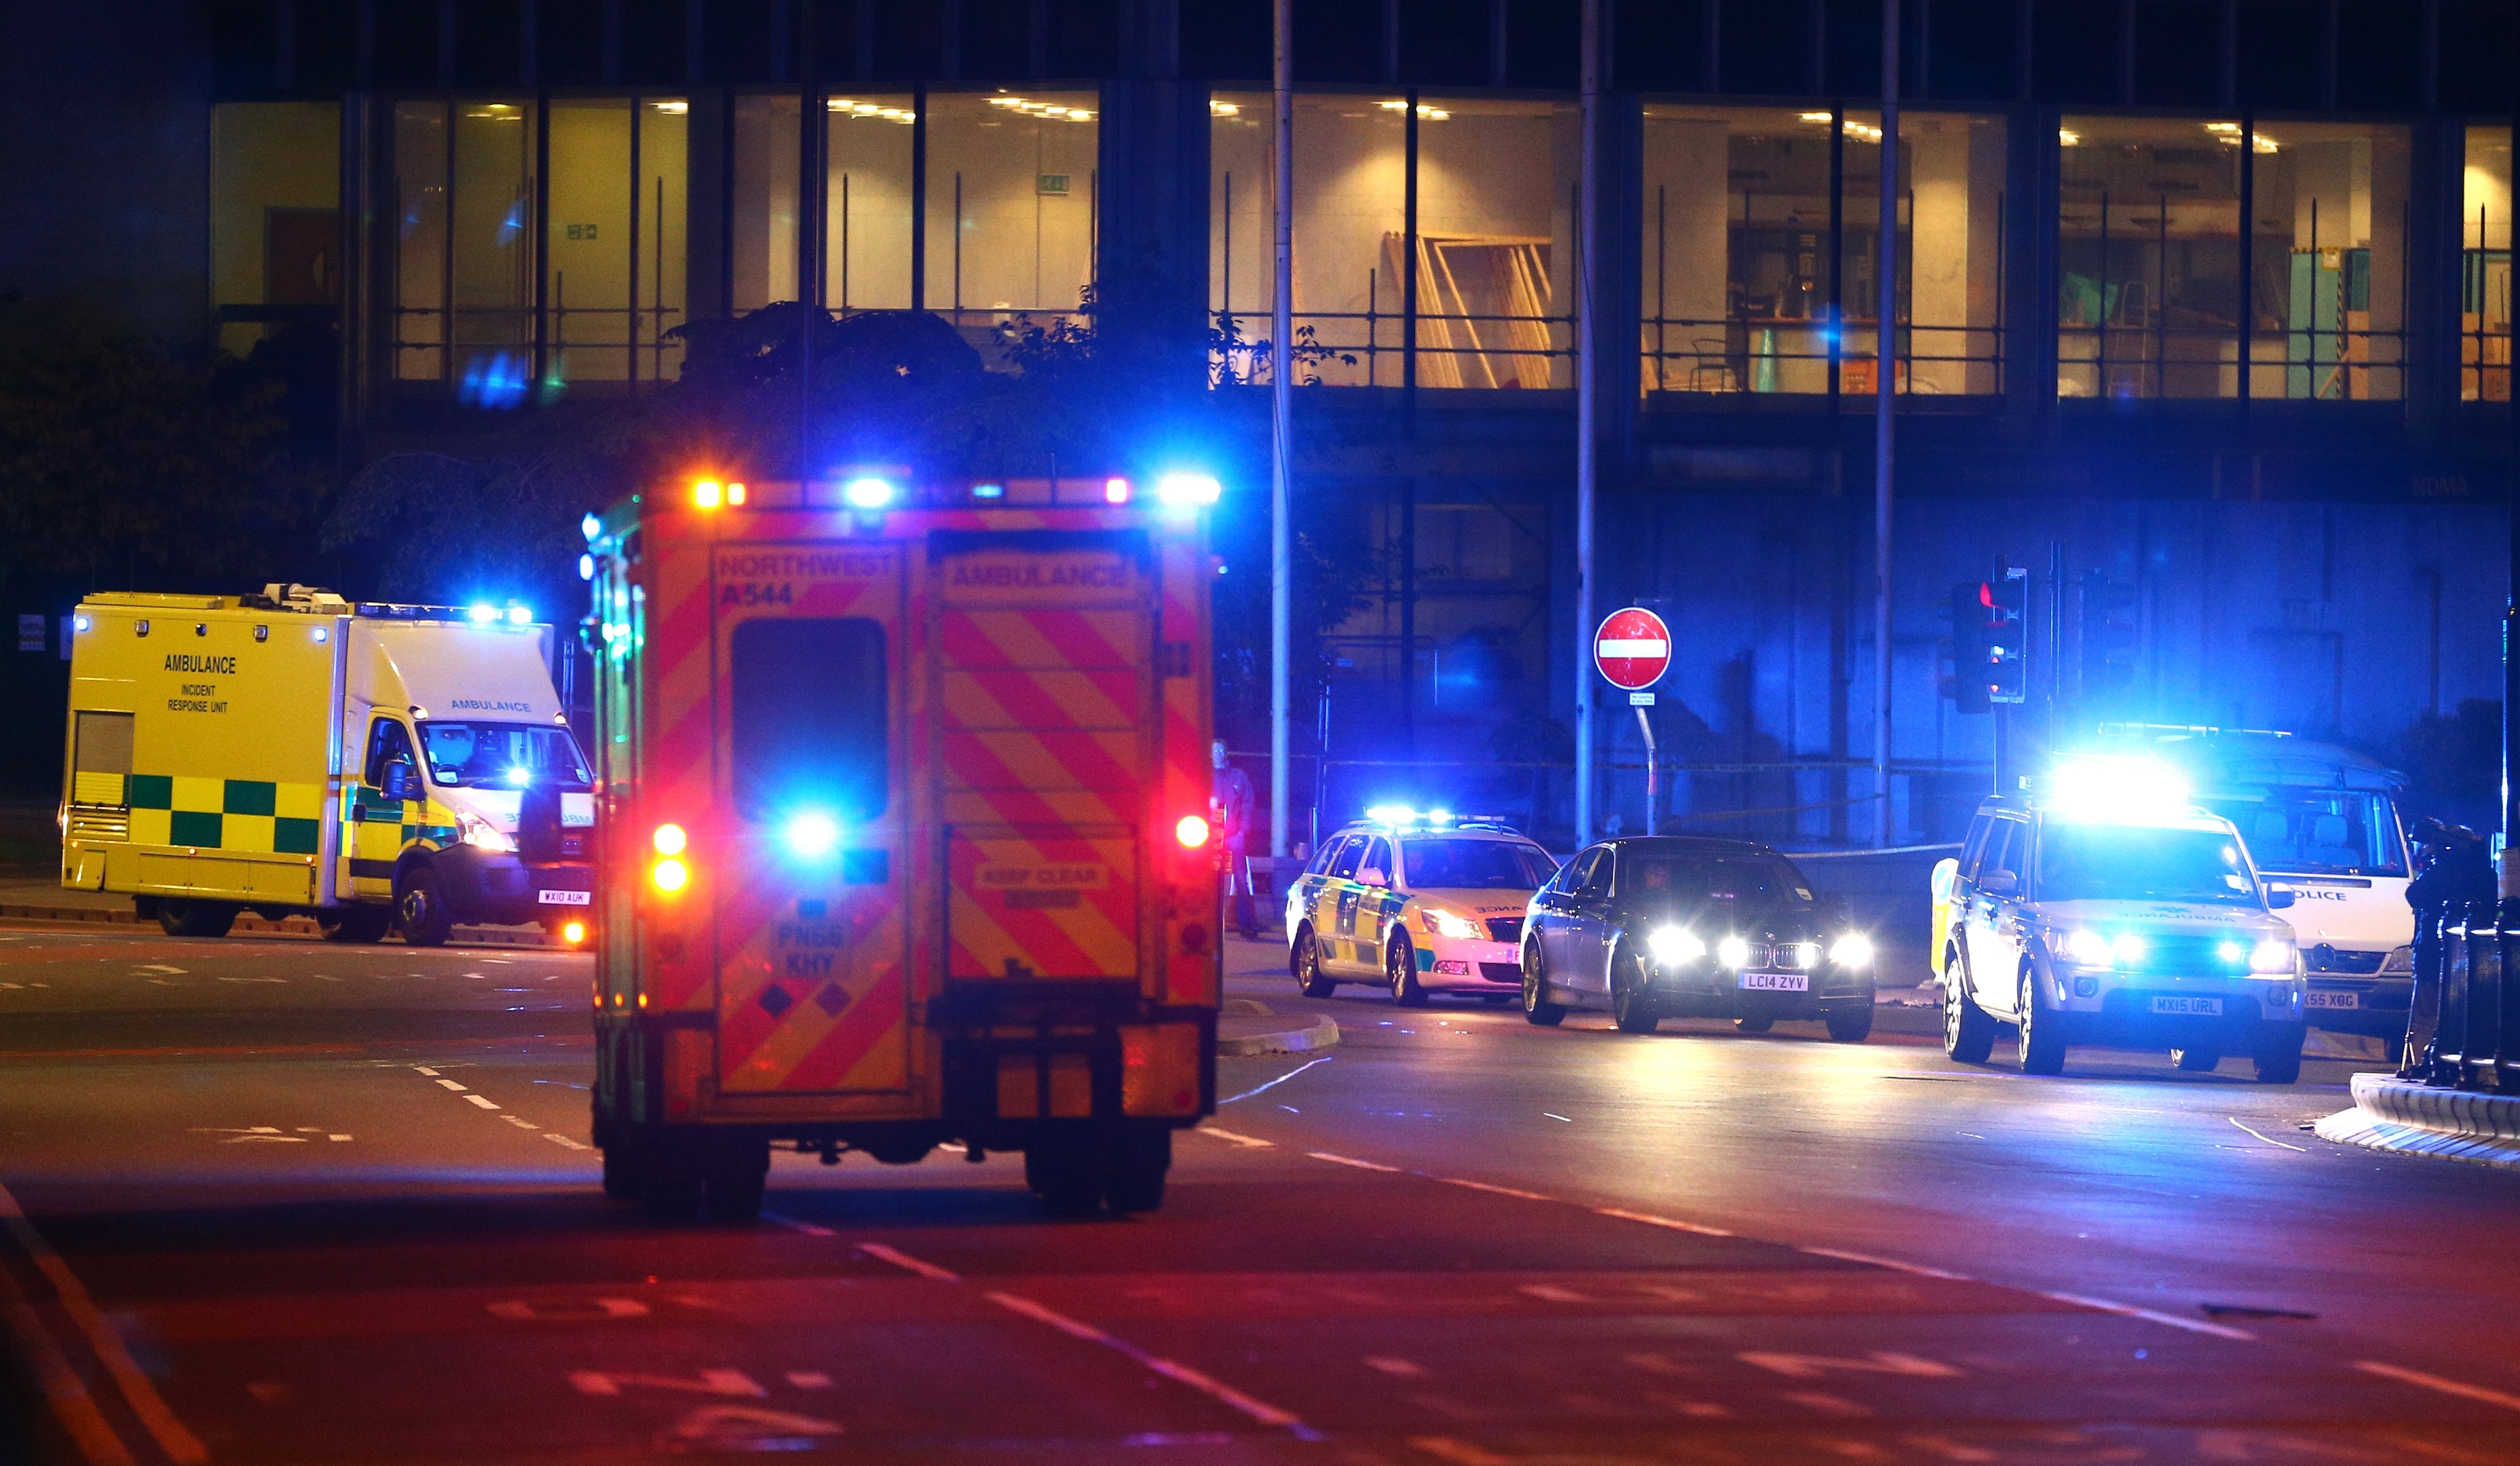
pixel 1063 1176
pixel 2278 1060
pixel 196 919
pixel 1537 1009
pixel 1630 997
pixel 621 1172
pixel 2196 1060
pixel 1753 1025
pixel 1399 970
pixel 2040 1042
pixel 671 1189
pixel 738 1175
pixel 420 907
pixel 1968 1034
pixel 1305 962
pixel 1137 1183
pixel 1849 1025
pixel 355 923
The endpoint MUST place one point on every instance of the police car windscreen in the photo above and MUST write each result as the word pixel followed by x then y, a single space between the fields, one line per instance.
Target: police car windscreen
pixel 1737 880
pixel 1475 865
pixel 809 711
pixel 2318 831
pixel 501 756
pixel 2136 862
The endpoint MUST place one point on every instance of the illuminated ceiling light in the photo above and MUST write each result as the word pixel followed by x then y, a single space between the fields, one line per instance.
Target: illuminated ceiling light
pixel 2262 143
pixel 1222 109
pixel 1395 107
pixel 2229 127
pixel 675 108
pixel 2069 139
pixel 1818 117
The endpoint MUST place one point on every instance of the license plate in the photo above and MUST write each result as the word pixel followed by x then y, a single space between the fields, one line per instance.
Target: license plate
pixel 567 898
pixel 2192 1007
pixel 2334 1000
pixel 1777 982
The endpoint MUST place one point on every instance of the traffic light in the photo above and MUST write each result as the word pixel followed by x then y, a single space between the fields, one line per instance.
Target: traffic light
pixel 2008 651
pixel 1971 626
pixel 2107 636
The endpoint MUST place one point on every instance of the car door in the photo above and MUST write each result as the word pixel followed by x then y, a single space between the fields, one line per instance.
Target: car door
pixel 1366 916
pixel 1556 908
pixel 1989 923
pixel 1588 926
pixel 1304 904
pixel 1340 896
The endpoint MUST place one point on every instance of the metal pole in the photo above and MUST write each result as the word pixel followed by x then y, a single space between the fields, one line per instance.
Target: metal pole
pixel 1644 725
pixel 1586 409
pixel 1281 424
pixel 1885 384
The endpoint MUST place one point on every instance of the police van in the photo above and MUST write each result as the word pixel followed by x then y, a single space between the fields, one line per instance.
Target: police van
pixel 288 752
pixel 1417 904
pixel 2104 908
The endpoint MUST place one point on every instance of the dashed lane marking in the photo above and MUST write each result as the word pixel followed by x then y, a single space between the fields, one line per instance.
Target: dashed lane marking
pixel 487 1104
pixel 1205 1384
pixel 1341 1160
pixel 1253 1141
pixel 809 1228
pixel 2130 1310
pixel 1893 1263
pixel 2270 1139
pixel 2436 1383
pixel 909 1264
pixel 448 1083
pixel 1403 1368
pixel 1650 1220
pixel 1493 1190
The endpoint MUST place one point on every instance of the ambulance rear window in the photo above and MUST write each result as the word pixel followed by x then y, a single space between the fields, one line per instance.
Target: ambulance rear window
pixel 810 711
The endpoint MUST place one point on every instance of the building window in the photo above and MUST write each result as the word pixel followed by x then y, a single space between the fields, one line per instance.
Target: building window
pixel 761 247
pixel 2485 269
pixel 867 200
pixel 492 208
pixel 1790 202
pixel 614 240
pixel 275 221
pixel 1471 290
pixel 2153 260
pixel 1011 196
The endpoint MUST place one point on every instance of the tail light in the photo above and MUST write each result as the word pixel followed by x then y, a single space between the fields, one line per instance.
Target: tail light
pixel 1192 832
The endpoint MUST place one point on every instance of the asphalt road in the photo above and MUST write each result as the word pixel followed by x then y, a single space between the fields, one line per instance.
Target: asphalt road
pixel 290 1202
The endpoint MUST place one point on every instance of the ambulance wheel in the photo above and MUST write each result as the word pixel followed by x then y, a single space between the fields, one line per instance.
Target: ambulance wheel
pixel 738 1173
pixel 1758 1025
pixel 196 919
pixel 1306 962
pixel 1137 1185
pixel 2278 1061
pixel 671 1192
pixel 420 907
pixel 1968 1034
pixel 2196 1060
pixel 1400 969
pixel 620 1172
pixel 1063 1174
pixel 2039 1043
pixel 358 923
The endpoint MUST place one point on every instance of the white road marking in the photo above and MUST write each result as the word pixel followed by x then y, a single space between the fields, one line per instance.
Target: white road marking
pixel 1567 1119
pixel 338 1137
pixel 1893 1263
pixel 1341 1160
pixel 1650 1220
pixel 809 1379
pixel 282 980
pixel 2435 1382
pixel 1207 1385
pixel 1226 1134
pixel 72 1403
pixel 519 1123
pixel 709 1382
pixel 163 967
pixel 486 1104
pixel 1811 1366
pixel 556 1138
pixel 71 1295
pixel 448 1083
pixel 418 1069
pixel 2130 1310
pixel 1401 1367
pixel 809 1228
pixel 907 1263
pixel 1280 1079
pixel 2270 1139
pixel 1455 1180
pixel 1832 1404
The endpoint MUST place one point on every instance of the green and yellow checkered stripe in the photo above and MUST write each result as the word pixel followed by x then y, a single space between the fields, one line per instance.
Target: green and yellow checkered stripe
pixel 247 815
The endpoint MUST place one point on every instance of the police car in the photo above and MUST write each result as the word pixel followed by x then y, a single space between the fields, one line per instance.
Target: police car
pixel 2103 910
pixel 1419 904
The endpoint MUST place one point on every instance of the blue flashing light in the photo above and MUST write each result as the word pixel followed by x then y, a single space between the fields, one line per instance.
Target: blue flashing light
pixel 867 493
pixel 520 615
pixel 483 615
pixel 590 526
pixel 1187 490
pixel 323 633
pixel 520 776
pixel 812 834
pixel 2117 787
pixel 1391 813
pixel 988 491
pixel 79 623
pixel 586 567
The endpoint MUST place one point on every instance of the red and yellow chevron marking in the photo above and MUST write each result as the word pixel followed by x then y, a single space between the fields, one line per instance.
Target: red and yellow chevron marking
pixel 1042 903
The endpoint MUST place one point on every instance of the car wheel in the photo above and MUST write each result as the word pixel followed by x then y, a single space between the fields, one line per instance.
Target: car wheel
pixel 2278 1060
pixel 1849 1024
pixel 196 919
pixel 1753 1025
pixel 1400 969
pixel 420 906
pixel 2042 1044
pixel 2196 1060
pixel 1968 1034
pixel 1136 1180
pixel 738 1173
pixel 1306 963
pixel 1536 1007
pixel 1630 1001
pixel 1066 1177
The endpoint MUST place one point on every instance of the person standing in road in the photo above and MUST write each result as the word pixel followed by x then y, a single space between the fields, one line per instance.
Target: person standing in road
pixel 1232 797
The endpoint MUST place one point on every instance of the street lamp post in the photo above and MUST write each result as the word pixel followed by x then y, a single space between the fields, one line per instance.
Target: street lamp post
pixel 1885 384
pixel 1282 417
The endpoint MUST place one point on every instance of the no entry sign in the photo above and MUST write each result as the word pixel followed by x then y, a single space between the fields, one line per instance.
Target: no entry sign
pixel 1633 648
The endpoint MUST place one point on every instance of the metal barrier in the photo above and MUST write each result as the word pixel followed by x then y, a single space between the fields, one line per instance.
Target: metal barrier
pixel 2462 1029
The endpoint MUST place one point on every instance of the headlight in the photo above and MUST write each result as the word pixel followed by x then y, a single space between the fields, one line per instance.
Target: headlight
pixel 2401 961
pixel 1445 923
pixel 2271 957
pixel 1854 950
pixel 1733 952
pixel 2087 949
pixel 1672 946
pixel 481 835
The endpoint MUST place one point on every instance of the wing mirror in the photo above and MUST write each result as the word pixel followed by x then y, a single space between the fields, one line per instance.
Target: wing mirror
pixel 1999 883
pixel 398 784
pixel 1368 877
pixel 2279 897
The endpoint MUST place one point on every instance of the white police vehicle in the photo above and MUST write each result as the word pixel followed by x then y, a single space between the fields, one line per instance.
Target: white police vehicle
pixel 2103 910
pixel 1419 904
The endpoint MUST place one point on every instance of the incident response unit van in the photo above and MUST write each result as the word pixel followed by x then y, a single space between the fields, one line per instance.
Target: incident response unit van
pixel 2324 821
pixel 906 836
pixel 376 767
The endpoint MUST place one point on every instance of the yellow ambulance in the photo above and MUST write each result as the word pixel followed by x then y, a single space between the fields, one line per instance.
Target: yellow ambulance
pixel 376 767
